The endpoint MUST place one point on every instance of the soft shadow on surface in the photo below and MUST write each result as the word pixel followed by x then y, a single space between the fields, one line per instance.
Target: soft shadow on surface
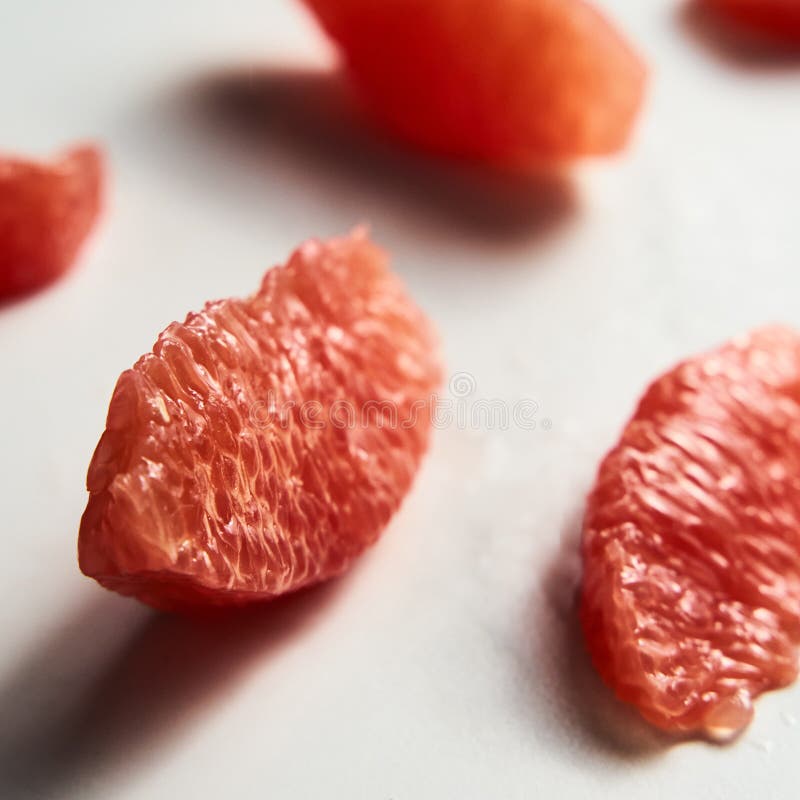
pixel 19 299
pixel 307 118
pixel 585 710
pixel 733 44
pixel 169 670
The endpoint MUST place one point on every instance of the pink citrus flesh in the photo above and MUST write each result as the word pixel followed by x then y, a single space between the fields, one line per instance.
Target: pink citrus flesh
pixel 47 210
pixel 691 543
pixel 265 442
pixel 512 82
pixel 778 20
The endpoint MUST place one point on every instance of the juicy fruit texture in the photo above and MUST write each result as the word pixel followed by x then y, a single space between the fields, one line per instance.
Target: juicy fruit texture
pixel 776 19
pixel 691 591
pixel 514 82
pixel 264 442
pixel 46 213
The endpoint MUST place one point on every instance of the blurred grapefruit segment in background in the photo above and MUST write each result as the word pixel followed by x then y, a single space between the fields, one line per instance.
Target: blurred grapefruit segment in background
pixel 46 212
pixel 515 82
pixel 264 442
pixel 775 19
pixel 691 589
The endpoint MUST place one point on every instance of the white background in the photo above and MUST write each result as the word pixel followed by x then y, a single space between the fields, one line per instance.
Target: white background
pixel 448 662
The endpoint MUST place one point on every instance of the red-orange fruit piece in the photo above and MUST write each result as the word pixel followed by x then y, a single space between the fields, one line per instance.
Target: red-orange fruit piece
pixel 691 544
pixel 46 212
pixel 264 442
pixel 514 82
pixel 776 19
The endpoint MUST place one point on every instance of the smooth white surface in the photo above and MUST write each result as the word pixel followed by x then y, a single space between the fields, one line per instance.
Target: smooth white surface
pixel 447 664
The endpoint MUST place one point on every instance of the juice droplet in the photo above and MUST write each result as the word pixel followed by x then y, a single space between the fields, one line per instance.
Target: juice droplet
pixel 726 720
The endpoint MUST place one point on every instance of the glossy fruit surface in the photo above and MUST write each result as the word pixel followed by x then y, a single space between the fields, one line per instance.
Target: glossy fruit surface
pixel 264 442
pixel 776 19
pixel 515 82
pixel 46 212
pixel 691 590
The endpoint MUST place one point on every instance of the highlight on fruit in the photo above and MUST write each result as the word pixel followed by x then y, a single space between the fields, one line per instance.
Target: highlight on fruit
pixel 47 211
pixel 193 503
pixel 691 543
pixel 515 84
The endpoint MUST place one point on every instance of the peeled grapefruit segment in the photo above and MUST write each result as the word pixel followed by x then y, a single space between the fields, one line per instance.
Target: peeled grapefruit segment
pixel 264 442
pixel 775 19
pixel 46 213
pixel 508 81
pixel 691 543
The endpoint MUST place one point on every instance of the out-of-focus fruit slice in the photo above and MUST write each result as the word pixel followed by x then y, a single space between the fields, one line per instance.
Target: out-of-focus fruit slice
pixel 515 82
pixel 691 548
pixel 46 213
pixel 776 19
pixel 264 442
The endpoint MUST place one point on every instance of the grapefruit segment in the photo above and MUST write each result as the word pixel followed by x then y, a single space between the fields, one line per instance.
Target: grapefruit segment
pixel 245 457
pixel 46 213
pixel 775 19
pixel 506 81
pixel 691 543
